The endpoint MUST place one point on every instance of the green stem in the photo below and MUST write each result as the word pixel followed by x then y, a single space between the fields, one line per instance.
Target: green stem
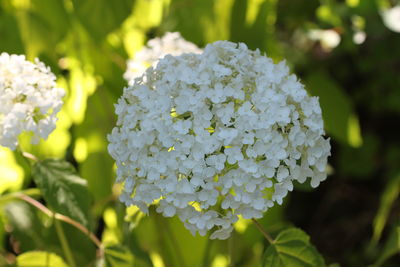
pixel 206 256
pixel 262 230
pixel 231 250
pixel 64 243
pixel 174 242
pixel 166 255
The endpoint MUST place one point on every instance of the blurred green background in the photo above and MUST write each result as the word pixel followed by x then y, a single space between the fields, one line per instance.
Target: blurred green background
pixel 346 52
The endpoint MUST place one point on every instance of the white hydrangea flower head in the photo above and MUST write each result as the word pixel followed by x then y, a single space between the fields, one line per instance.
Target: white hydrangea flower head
pixel 171 43
pixel 29 99
pixel 215 135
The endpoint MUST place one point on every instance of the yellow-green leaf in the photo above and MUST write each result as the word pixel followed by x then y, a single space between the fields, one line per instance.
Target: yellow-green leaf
pixel 40 259
pixel 117 255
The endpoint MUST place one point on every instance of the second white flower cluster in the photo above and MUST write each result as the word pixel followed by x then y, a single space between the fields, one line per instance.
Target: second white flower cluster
pixel 29 99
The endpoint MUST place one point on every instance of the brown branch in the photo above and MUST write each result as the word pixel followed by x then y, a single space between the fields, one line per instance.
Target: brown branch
pixel 63 218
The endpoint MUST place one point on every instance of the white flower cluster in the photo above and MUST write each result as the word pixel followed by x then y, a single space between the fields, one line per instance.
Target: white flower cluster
pixel 215 135
pixel 171 43
pixel 29 99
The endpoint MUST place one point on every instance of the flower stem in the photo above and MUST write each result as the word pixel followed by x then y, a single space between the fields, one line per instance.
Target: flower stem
pixel 206 256
pixel 262 230
pixel 174 242
pixel 231 249
pixel 64 243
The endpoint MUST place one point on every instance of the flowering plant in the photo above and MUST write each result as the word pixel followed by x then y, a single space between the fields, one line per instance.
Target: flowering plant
pixel 216 135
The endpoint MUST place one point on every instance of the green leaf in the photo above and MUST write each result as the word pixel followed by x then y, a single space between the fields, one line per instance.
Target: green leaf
pixel 263 30
pixel 238 29
pixel 337 109
pixel 34 31
pixel 2 233
pixel 360 162
pixel 117 255
pixel 63 190
pixel 33 231
pixel 40 259
pixel 93 131
pixel 292 248
pixel 27 227
pixel 94 12
pixel 391 247
pixel 211 23
pixel 184 241
pixel 389 195
pixel 10 34
pixel 142 257
pixel 100 180
pixel 258 32
pixel 54 14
